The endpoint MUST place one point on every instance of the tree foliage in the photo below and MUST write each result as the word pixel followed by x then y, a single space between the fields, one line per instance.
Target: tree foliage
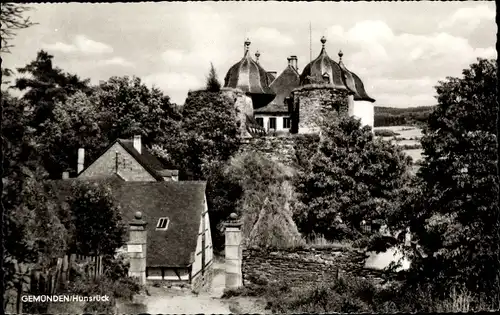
pixel 44 85
pixel 454 217
pixel 213 84
pixel 128 107
pixel 98 227
pixel 352 177
pixel 266 201
pixel 12 19
pixel 210 132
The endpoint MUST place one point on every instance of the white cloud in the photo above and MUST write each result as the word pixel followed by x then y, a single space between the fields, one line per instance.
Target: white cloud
pixel 271 36
pixel 87 45
pixel 118 61
pixel 394 66
pixel 174 84
pixel 62 47
pixel 173 56
pixel 468 18
pixel 80 44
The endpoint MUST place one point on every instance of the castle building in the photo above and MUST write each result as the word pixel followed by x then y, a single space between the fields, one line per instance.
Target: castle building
pixel 292 102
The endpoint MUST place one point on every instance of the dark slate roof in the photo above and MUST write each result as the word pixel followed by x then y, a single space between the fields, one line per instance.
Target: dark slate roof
pixel 338 75
pixel 272 109
pixel 182 202
pixel 248 75
pixel 284 84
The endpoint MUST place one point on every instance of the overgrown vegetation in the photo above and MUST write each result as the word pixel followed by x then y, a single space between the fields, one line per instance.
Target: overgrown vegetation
pixel 385 133
pixel 266 202
pixel 390 116
pixel 352 177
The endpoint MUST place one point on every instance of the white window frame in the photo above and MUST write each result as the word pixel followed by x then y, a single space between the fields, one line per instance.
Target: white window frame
pixel 289 123
pixel 161 222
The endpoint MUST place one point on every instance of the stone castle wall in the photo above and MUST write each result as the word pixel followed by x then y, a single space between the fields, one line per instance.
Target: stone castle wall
pixel 312 101
pixel 281 149
pixel 243 105
pixel 299 267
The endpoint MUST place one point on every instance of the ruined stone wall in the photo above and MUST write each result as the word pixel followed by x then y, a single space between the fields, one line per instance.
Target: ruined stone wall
pixel 312 101
pixel 275 148
pixel 299 267
pixel 243 104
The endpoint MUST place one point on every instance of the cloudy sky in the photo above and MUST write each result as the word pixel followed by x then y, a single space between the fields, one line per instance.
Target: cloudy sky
pixel 399 49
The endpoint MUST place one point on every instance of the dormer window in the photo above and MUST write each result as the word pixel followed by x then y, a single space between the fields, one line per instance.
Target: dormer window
pixel 162 224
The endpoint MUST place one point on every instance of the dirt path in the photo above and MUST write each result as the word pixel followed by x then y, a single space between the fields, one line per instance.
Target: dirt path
pixel 183 301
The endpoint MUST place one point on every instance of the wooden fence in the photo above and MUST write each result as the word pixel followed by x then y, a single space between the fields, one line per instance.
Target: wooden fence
pixel 50 281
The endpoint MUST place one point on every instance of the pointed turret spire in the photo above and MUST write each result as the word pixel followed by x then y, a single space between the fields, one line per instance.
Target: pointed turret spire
pixel 323 41
pixel 247 45
pixel 257 55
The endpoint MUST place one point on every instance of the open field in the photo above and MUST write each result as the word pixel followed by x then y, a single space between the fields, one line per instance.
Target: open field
pixel 408 136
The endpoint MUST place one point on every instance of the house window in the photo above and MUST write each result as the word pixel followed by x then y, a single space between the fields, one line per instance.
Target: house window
pixel 272 123
pixel 162 224
pixel 287 122
pixel 260 121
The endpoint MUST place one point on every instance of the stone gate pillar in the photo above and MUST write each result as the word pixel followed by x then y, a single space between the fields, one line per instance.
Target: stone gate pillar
pixel 136 248
pixel 233 252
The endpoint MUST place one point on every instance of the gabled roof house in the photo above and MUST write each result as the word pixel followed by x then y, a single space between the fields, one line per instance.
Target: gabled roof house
pixel 179 241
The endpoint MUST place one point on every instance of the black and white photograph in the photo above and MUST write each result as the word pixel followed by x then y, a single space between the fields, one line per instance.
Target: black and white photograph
pixel 262 157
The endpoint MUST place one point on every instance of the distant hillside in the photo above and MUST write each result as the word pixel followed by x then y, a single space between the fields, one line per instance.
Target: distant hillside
pixel 391 116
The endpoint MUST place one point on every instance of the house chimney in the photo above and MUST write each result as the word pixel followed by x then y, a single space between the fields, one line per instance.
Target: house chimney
pixel 137 143
pixel 65 175
pixel 290 62
pixel 81 160
pixel 294 62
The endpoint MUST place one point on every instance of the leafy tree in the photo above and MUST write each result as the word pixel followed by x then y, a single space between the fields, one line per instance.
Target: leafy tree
pixel 33 232
pixel 454 217
pixel 266 201
pixel 45 85
pixel 352 177
pixel 210 132
pixel 127 107
pixel 11 17
pixel 213 84
pixel 75 124
pixel 12 20
pixel 96 218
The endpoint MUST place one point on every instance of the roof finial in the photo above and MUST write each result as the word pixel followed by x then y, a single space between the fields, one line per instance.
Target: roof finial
pixel 247 45
pixel 340 55
pixel 257 55
pixel 323 41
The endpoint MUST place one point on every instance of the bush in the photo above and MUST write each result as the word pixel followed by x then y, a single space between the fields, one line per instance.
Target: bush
pixel 386 133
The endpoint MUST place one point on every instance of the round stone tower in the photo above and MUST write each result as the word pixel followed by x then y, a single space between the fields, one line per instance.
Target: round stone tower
pixel 325 86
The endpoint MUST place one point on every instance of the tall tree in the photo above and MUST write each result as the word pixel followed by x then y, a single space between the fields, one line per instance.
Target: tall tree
pixel 44 85
pixel 12 19
pixel 455 217
pixel 74 124
pixel 128 107
pixel 352 177
pixel 97 222
pixel 213 84
pixel 211 131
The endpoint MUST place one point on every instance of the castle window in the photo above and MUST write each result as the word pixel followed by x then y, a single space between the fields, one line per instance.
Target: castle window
pixel 162 224
pixel 272 123
pixel 260 121
pixel 287 123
